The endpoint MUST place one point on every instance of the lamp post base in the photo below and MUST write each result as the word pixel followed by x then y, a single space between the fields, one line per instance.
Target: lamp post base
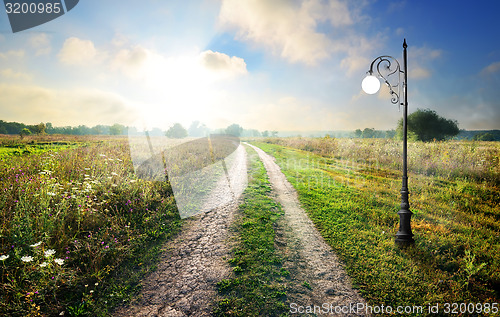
pixel 404 235
pixel 404 240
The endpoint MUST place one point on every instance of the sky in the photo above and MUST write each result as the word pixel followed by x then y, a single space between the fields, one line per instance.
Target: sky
pixel 285 65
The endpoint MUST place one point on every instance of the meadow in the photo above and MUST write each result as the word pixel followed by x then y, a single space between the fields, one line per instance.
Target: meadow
pixel 78 229
pixel 350 189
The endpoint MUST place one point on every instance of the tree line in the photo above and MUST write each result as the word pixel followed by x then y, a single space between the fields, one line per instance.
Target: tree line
pixel 48 128
pixel 423 125
pixel 196 129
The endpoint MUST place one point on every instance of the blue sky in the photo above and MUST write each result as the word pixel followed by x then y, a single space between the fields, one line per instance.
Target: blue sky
pixel 269 65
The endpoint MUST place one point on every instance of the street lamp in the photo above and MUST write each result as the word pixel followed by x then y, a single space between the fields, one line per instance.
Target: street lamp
pixel 385 67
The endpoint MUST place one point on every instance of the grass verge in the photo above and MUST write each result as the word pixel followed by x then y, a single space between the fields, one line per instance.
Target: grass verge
pixel 258 286
pixel 456 257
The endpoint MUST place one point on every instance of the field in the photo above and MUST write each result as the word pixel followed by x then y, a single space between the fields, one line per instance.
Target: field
pixel 79 230
pixel 350 189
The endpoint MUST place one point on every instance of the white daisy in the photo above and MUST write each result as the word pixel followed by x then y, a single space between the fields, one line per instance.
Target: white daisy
pixel 49 252
pixel 27 258
pixel 59 261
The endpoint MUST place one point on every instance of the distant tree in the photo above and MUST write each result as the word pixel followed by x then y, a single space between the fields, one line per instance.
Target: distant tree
pixel 265 134
pixel 274 134
pixel 368 133
pixel 49 128
pixel 177 131
pixel 234 129
pixel 484 136
pixel 389 134
pixel 426 125
pixel 358 133
pixel 157 132
pixel 24 132
pixel 37 128
pixel 117 129
pixel 251 133
pixel 197 129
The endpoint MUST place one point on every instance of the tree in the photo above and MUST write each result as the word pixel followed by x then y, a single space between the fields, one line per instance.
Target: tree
pixel 265 134
pixel 117 129
pixel 389 134
pixel 234 129
pixel 368 133
pixel 197 129
pixel 177 131
pixel 484 136
pixel 358 133
pixel 426 125
pixel 38 128
pixel 24 132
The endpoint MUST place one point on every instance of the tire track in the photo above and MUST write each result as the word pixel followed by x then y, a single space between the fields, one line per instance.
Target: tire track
pixel 307 256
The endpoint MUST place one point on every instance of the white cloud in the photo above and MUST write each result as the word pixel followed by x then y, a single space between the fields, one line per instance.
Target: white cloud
pixel 77 52
pixel 223 64
pixel 420 58
pixel 131 61
pixel 41 43
pixel 31 104
pixel 285 28
pixel 491 68
pixel 11 74
pixel 12 53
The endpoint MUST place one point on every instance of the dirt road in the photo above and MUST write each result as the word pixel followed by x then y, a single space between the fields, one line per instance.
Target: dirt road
pixel 193 263
pixel 307 256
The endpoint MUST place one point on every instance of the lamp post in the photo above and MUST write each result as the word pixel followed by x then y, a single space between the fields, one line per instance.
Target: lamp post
pixel 382 68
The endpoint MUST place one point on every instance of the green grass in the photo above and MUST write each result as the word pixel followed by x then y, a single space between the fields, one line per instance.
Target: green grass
pixel 258 288
pixel 354 205
pixel 80 199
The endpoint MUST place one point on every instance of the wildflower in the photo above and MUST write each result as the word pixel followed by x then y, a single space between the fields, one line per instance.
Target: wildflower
pixel 51 194
pixel 59 261
pixel 44 264
pixel 4 257
pixel 61 313
pixel 102 155
pixel 96 284
pixel 49 253
pixel 36 244
pixel 27 258
pixel 114 174
pixel 91 291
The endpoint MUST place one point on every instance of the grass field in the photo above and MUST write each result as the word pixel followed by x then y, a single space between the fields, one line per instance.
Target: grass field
pixel 78 229
pixel 350 189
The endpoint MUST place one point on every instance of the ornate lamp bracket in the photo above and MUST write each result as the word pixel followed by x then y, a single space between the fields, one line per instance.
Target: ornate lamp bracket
pixel 388 69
